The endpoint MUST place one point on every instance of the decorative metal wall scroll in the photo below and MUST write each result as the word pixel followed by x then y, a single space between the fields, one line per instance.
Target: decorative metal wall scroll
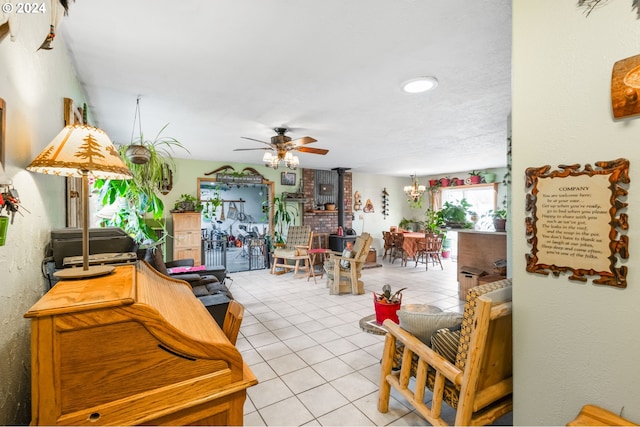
pixel 574 221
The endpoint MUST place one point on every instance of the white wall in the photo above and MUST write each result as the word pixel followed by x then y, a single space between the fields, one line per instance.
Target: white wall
pixel 574 343
pixel 33 84
pixel 370 187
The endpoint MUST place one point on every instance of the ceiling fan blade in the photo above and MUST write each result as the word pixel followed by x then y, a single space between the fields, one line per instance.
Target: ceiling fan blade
pixel 304 140
pixel 312 150
pixel 256 140
pixel 252 149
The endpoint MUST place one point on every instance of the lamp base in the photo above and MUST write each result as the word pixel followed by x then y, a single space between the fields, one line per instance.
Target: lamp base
pixel 80 273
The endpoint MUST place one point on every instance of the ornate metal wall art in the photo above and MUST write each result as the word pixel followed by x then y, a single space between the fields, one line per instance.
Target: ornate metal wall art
pixel 574 221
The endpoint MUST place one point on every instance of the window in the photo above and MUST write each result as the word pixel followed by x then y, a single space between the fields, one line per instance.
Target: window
pixel 481 197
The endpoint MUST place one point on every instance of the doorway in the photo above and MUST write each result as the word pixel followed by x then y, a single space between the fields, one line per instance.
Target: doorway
pixel 236 223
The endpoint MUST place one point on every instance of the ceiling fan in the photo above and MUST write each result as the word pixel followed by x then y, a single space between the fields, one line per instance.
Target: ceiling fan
pixel 280 148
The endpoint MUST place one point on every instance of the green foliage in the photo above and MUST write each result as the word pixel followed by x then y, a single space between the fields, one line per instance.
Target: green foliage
pixel 138 197
pixel 497 214
pixel 434 221
pixel 476 173
pixel 282 218
pixel 455 214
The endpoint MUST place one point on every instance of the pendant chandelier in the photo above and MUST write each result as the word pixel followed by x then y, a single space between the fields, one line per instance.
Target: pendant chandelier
pixel 415 190
pixel 273 160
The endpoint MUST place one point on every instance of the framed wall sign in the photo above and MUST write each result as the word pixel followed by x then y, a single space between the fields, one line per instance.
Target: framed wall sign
pixel 288 178
pixel 575 221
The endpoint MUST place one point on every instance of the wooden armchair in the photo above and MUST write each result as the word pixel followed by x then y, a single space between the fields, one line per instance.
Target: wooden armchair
pixel 296 249
pixel 345 278
pixel 478 384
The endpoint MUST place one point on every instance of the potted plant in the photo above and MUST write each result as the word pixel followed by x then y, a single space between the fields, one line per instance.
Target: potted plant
pixel 434 221
pixel 499 217
pixel 282 218
pixel 444 182
pixel 475 177
pixel 138 197
pixel 455 214
pixel 387 304
pixel 187 203
pixel 446 247
pixel 410 224
pixel 489 177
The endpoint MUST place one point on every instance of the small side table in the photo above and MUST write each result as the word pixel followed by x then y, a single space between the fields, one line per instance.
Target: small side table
pixel 313 253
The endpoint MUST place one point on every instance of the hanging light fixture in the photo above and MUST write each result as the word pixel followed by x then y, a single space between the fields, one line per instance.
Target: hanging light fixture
pixel 415 190
pixel 137 153
pixel 274 160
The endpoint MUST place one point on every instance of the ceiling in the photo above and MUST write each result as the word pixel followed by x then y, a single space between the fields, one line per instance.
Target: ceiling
pixel 216 70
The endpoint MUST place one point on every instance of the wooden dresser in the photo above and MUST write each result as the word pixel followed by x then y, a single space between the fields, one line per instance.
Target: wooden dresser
pixel 187 235
pixel 133 347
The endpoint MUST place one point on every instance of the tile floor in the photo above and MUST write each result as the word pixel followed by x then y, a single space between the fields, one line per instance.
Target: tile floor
pixel 314 364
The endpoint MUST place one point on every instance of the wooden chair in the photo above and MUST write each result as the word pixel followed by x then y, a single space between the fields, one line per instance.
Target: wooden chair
pixel 398 250
pixel 387 238
pixel 478 384
pixel 298 243
pixel 342 279
pixel 430 250
pixel 233 320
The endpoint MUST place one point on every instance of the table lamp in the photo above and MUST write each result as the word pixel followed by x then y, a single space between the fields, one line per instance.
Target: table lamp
pixel 81 151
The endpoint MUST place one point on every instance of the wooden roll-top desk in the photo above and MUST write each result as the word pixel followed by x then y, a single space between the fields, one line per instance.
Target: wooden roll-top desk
pixel 133 347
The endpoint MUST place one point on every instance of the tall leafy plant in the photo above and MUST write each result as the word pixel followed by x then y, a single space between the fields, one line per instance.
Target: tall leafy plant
pixel 138 197
pixel 282 218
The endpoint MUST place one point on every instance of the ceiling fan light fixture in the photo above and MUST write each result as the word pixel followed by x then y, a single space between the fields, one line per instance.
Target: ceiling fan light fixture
pixel 420 84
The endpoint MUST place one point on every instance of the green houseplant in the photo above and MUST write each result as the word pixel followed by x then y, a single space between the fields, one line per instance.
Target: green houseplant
pixel 283 215
pixel 132 200
pixel 455 214
pixel 499 217
pixel 434 221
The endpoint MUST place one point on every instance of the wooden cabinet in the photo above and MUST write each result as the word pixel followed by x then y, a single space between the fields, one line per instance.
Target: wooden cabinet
pixel 480 249
pixel 129 348
pixel 187 235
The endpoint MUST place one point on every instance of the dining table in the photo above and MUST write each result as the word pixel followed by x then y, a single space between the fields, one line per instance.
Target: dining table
pixel 411 243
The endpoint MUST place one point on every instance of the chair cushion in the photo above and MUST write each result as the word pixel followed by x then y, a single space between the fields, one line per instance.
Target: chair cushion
pixel 346 254
pixel 285 253
pixel 423 323
pixel 445 342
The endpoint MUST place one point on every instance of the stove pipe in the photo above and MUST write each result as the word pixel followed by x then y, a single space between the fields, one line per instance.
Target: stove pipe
pixel 340 203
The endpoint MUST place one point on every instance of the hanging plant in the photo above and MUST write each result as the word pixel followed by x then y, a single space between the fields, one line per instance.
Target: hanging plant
pixel 138 197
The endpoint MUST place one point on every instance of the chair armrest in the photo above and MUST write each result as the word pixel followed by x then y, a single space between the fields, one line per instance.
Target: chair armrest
pixel 436 361
pixel 333 254
pixel 187 262
pixel 187 277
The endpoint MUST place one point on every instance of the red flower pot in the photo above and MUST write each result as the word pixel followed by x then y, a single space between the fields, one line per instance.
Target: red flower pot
pixel 386 311
pixel 475 179
pixel 444 182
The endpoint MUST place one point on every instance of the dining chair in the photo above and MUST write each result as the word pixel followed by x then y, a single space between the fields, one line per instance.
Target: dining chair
pixel 389 246
pixel 398 251
pixel 430 250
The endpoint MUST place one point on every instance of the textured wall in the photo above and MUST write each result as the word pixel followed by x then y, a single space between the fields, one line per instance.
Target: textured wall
pixel 33 84
pixel 574 343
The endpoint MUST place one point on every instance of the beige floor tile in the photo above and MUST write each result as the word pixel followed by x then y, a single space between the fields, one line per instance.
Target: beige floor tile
pixel 288 412
pixel 287 363
pixel 354 386
pixel 348 415
pixel 322 400
pixel 302 380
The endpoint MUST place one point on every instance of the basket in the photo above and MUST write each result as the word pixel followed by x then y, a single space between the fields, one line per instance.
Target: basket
pixel 386 311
